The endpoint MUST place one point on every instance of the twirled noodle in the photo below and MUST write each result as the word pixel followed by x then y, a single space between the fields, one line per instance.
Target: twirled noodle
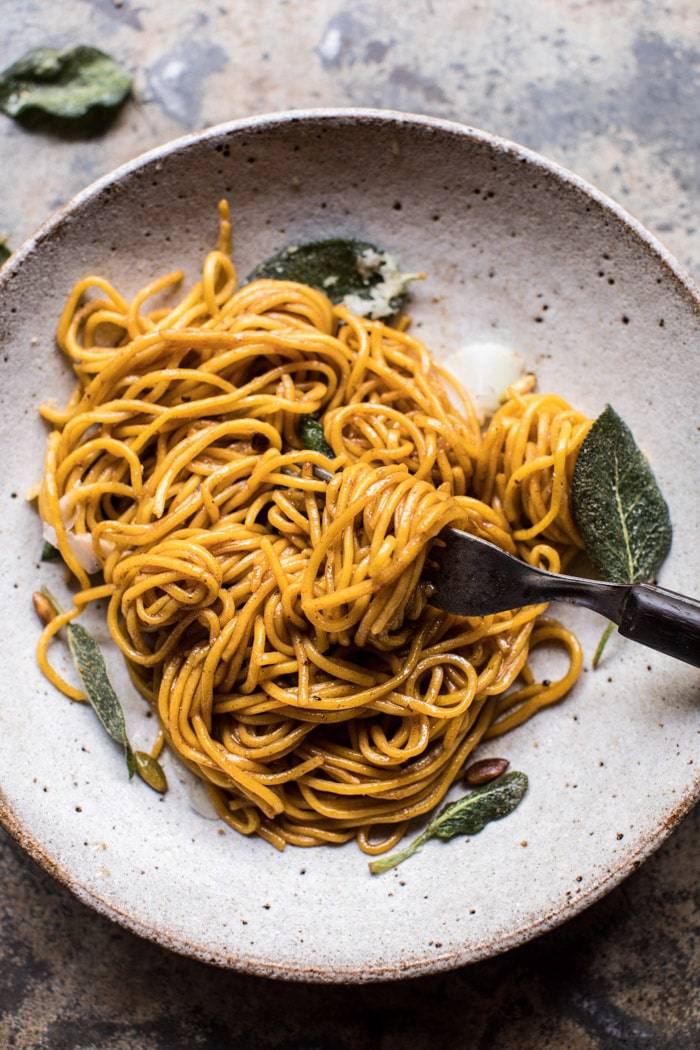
pixel 278 624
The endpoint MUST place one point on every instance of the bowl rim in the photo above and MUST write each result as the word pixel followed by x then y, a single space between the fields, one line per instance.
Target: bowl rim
pixel 352 115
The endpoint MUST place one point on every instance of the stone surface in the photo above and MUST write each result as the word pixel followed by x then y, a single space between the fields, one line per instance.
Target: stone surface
pixel 611 90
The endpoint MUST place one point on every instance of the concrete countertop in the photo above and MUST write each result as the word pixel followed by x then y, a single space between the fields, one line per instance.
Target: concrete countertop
pixel 610 89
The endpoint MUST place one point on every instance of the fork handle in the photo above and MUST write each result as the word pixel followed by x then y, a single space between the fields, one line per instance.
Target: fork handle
pixel 662 620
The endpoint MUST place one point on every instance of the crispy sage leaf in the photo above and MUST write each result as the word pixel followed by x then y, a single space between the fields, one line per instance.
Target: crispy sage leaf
pixel 49 552
pixel 363 277
pixel 5 251
pixel 617 504
pixel 98 688
pixel 618 507
pixel 81 88
pixel 467 816
pixel 91 668
pixel 311 432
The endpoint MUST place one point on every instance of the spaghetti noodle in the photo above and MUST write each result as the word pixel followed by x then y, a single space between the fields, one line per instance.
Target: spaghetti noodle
pixel 278 623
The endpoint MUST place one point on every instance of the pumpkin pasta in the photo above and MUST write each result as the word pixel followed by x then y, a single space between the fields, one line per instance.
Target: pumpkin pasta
pixel 278 623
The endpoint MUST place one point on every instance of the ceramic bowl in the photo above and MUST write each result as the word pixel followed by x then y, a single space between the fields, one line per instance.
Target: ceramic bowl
pixel 516 251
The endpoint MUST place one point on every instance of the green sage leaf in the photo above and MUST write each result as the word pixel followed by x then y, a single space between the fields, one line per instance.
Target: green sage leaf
pixel 5 251
pixel 81 88
pixel 618 506
pixel 90 667
pixel 312 437
pixel 470 815
pixel 49 552
pixel 466 816
pixel 363 277
pixel 93 674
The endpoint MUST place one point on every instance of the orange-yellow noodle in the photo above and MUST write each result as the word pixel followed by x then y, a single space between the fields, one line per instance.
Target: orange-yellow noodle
pixel 278 624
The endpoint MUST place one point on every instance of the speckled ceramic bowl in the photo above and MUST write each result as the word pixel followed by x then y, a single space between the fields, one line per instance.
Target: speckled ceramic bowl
pixel 516 251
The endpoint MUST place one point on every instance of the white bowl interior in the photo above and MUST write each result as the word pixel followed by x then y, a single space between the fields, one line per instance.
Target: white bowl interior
pixel 515 251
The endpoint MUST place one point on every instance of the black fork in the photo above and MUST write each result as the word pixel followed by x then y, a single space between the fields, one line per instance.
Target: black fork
pixel 472 577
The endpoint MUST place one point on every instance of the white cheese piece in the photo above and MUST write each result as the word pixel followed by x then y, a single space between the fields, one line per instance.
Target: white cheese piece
pixel 486 371
pixel 376 301
pixel 80 545
pixel 201 802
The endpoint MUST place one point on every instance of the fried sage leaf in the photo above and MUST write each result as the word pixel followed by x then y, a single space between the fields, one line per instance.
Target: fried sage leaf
pixel 81 88
pixel 363 277
pixel 91 668
pixel 311 433
pixel 98 688
pixel 467 816
pixel 5 251
pixel 617 504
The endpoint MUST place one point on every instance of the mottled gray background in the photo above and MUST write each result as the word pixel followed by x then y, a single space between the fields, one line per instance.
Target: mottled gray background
pixel 611 89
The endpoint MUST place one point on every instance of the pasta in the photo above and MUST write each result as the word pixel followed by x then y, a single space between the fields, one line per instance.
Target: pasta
pixel 278 623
